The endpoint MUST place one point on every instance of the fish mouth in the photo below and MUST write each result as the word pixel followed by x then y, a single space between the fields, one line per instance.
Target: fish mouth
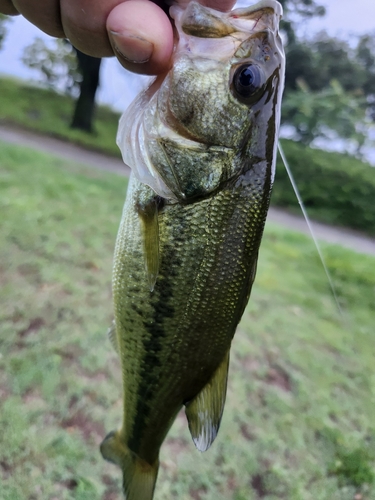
pixel 274 5
pixel 204 22
pixel 265 14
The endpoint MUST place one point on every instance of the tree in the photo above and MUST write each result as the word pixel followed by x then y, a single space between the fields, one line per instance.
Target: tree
pixel 365 54
pixel 57 63
pixel 66 69
pixel 294 10
pixel 85 105
pixel 330 88
pixel 328 113
pixel 322 59
pixel 3 29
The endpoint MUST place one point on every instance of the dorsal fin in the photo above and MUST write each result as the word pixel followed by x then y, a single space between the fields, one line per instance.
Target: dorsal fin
pixel 204 412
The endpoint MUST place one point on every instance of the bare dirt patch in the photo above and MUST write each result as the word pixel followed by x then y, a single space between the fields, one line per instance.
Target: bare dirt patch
pixel 196 493
pixel 112 491
pixel 279 377
pixel 35 324
pixel 250 364
pixel 88 428
pixel 70 484
pixel 246 432
pixel 176 446
pixel 231 482
pixel 258 484
pixel 5 468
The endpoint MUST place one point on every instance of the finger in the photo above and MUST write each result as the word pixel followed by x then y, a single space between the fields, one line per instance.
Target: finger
pixel 84 23
pixel 141 36
pixel 223 5
pixel 45 14
pixel 7 7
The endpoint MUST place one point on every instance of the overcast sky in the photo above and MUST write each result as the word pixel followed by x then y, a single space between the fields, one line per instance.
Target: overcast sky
pixel 346 16
pixel 118 87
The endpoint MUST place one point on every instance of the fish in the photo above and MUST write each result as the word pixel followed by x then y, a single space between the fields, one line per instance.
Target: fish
pixel 201 143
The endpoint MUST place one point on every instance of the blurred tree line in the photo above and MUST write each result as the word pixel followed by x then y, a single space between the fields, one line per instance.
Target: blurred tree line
pixel 65 68
pixel 329 83
pixel 3 28
pixel 329 87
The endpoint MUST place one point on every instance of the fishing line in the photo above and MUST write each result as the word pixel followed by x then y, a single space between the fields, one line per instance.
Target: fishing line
pixel 309 225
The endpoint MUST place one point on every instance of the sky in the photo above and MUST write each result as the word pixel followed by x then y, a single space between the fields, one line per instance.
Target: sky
pixel 346 16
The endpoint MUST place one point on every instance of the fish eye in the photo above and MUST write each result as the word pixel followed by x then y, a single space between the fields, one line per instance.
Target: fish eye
pixel 247 80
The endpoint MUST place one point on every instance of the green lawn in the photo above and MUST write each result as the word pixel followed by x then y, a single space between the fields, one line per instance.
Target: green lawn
pixel 45 111
pixel 299 420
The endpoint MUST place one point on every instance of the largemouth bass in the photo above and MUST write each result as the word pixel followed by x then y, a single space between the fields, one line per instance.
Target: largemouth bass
pixel 202 147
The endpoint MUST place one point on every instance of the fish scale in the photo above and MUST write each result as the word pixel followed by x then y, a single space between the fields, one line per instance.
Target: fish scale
pixel 187 247
pixel 202 297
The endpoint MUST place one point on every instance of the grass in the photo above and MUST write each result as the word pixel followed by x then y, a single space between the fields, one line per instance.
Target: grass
pixel 47 112
pixel 299 418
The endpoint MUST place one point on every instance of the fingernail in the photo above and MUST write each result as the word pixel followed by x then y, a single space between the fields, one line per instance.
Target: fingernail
pixel 132 47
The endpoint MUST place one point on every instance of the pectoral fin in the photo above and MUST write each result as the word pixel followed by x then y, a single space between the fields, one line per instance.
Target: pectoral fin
pixel 150 235
pixel 204 412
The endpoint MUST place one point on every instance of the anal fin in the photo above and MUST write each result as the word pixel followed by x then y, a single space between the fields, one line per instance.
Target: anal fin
pixel 139 477
pixel 204 412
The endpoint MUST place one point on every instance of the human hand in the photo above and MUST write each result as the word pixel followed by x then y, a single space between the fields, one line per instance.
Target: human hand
pixel 138 32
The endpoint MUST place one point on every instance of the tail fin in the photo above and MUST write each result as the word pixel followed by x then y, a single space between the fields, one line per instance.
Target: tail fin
pixel 139 477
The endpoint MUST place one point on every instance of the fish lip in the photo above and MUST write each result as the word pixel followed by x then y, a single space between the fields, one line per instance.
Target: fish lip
pixel 256 12
pixel 261 5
